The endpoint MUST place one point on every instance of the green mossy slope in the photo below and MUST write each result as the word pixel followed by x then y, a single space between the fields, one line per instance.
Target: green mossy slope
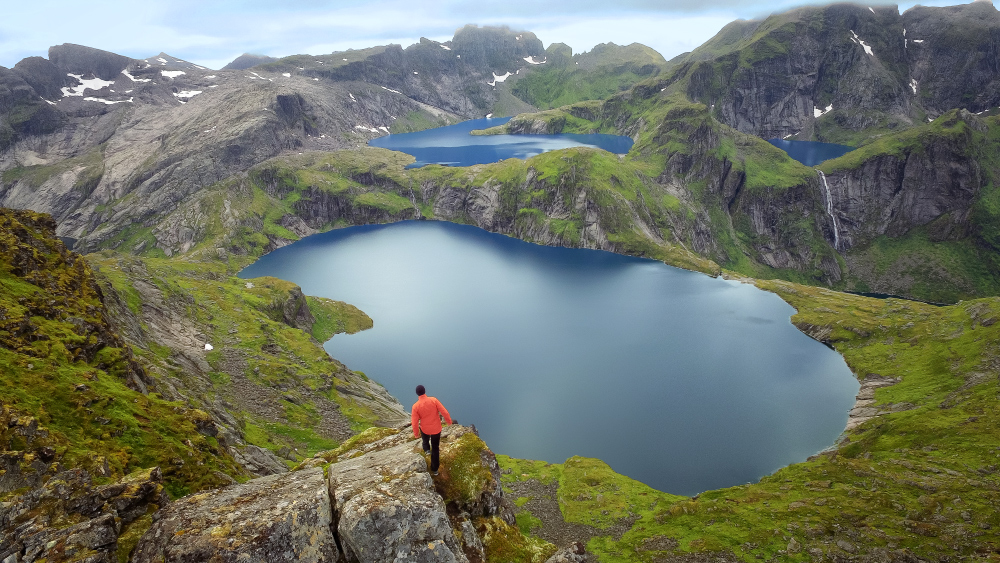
pixel 70 382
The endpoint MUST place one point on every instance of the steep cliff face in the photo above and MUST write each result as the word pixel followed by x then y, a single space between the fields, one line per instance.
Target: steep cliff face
pixel 890 192
pixel 841 73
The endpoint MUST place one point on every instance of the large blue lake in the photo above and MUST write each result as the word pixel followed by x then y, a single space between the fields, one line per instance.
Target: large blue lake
pixel 811 153
pixel 679 380
pixel 455 146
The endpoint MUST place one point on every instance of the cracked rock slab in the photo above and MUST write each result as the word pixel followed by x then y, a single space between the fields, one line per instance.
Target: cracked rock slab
pixel 388 509
pixel 284 517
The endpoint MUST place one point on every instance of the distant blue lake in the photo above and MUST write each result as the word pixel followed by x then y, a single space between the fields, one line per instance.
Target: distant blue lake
pixel 454 146
pixel 811 153
pixel 679 380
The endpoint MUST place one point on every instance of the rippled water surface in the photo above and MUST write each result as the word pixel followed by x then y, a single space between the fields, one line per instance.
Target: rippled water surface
pixel 682 381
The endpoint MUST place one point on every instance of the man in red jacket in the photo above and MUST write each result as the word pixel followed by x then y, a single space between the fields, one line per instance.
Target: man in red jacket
pixel 426 418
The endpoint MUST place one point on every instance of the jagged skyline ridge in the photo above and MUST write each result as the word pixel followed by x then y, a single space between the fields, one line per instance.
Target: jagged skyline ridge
pixel 212 34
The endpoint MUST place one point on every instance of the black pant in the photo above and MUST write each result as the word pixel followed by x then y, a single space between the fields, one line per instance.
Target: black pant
pixel 433 447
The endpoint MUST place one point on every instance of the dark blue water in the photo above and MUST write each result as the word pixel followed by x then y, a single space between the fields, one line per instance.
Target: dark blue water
pixel 811 153
pixel 454 146
pixel 682 381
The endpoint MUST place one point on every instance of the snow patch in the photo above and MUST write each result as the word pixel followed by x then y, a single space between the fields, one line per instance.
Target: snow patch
pixel 499 78
pixel 352 96
pixel 415 72
pixel 51 103
pixel 89 84
pixel 286 74
pixel 172 73
pixel 209 346
pixel 128 91
pixel 391 90
pixel 446 48
pixel 913 85
pixel 858 40
pixel 108 102
pixel 249 285
pixel 199 67
pixel 316 79
pixel 819 112
pixel 214 86
pixel 211 76
pixel 386 129
pixel 345 60
pixel 187 93
pixel 870 8
pixel 918 40
pixel 162 60
pixel 489 115
pixel 134 79
pixel 363 128
pixel 530 59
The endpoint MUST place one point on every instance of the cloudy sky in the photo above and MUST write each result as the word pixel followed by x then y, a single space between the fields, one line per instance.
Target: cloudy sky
pixel 212 33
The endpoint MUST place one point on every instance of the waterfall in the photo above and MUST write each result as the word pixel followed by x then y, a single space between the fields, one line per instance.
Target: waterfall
pixel 829 210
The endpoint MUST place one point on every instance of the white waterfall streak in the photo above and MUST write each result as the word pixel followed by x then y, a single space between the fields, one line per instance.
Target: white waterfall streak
pixel 829 210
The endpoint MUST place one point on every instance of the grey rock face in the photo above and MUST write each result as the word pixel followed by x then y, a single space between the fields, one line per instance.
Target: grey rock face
pixel 889 195
pixel 276 518
pixel 388 509
pixel 379 504
pixel 870 67
pixel 68 518
pixel 257 460
pixel 575 553
pixel 79 59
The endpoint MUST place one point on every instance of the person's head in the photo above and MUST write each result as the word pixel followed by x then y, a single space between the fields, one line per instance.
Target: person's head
pixel 420 390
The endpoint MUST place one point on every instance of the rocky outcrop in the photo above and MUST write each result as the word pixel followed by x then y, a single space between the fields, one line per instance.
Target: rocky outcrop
pixel 69 519
pixel 277 518
pixel 377 503
pixel 387 508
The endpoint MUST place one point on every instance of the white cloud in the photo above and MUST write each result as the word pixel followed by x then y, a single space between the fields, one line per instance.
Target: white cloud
pixel 213 33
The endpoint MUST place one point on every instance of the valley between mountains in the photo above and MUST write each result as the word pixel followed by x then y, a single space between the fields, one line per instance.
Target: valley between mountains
pixel 138 370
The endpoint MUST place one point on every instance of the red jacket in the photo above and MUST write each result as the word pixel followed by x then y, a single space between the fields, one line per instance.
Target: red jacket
pixel 426 415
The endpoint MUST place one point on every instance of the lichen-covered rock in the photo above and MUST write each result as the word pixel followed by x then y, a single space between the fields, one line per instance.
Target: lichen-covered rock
pixel 388 510
pixel 258 460
pixel 68 519
pixel 283 517
pixel 575 553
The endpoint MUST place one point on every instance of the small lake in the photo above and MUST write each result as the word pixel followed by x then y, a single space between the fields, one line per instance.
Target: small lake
pixel 811 153
pixel 455 146
pixel 679 380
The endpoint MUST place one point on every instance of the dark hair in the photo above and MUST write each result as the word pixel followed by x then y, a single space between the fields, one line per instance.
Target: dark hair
pixel 420 390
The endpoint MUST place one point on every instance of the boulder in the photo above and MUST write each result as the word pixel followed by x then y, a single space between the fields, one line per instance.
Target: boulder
pixel 574 553
pixel 258 461
pixel 388 509
pixel 283 517
pixel 69 519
